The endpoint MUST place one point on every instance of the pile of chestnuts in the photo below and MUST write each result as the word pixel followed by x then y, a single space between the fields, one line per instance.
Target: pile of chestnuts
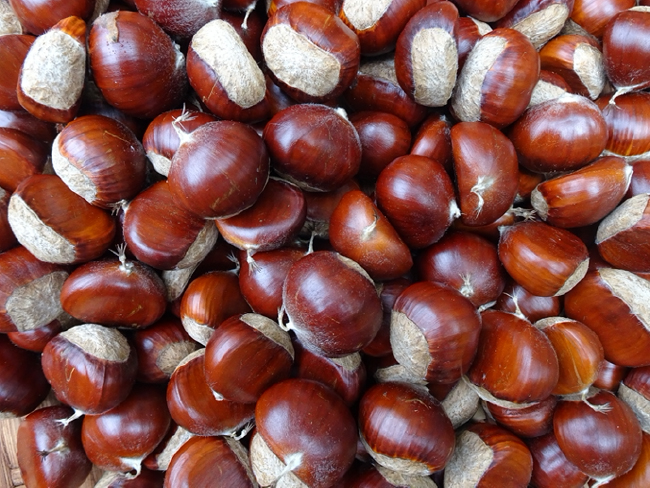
pixel 326 243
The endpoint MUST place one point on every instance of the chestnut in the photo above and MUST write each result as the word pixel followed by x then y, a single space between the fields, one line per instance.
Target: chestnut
pixel 22 155
pixel 640 472
pixel 390 290
pixel 593 17
pixel 635 391
pixel 468 32
pixel 305 434
pixel 549 87
pixel 13 48
pixel 551 468
pixel 515 299
pixel 180 19
pixel 538 20
pixel 486 10
pixel 532 421
pixel 37 16
pixel 610 376
pixel 433 140
pixel 628 118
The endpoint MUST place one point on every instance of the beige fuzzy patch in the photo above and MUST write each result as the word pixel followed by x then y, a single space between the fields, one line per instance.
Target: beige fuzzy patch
pixel 397 372
pixel 639 404
pixel 434 58
pixel 101 342
pixel 575 278
pixel 9 23
pixel 624 217
pixel 410 346
pixel 539 203
pixel 300 63
pixel 199 332
pixel 76 180
pixel 242 456
pixel 37 303
pixel 176 281
pixel 41 240
pixel 483 28
pixel 399 479
pixel 161 164
pixel 382 68
pixel 202 245
pixel 54 70
pixel 460 404
pixel 588 65
pixel 350 363
pixel 363 14
pixel 220 47
pixel 405 466
pixel 471 459
pixel 632 290
pixel 172 355
pixel 467 98
pixel 544 91
pixel 180 437
pixel 269 468
pixel 544 24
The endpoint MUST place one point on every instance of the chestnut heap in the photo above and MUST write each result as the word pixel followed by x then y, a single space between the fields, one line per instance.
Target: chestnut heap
pixel 325 243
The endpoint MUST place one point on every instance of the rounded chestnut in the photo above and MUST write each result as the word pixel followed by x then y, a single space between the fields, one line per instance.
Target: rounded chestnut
pixel 551 467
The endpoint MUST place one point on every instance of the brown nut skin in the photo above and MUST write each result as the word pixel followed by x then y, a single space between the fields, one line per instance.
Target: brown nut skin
pixel 23 156
pixel 640 182
pixel 114 293
pixel 206 461
pixel 433 140
pixel 50 452
pixel 469 32
pixel 594 16
pixel 90 378
pixel 402 435
pixel 617 320
pixel 118 440
pixel 331 303
pixel 627 118
pixel 180 19
pixel 485 10
pixel 610 376
pixel 528 367
pixel 550 466
pixel 599 187
pixel 602 443
pixel 390 290
pixel 144 81
pixel 531 421
pixel 562 134
pixel 37 16
pixel 25 122
pixel 492 93
pixel 485 165
pixel 423 213
pixel 507 460
pixel 306 417
pixel 639 475
pixel 626 49
pixel 447 327
pixel 13 49
pixel 515 299
pixel 323 70
pixel 545 260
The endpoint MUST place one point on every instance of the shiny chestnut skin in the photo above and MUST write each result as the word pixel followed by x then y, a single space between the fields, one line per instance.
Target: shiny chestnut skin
pixel 626 49
pixel 273 6
pixel 485 165
pixel 487 455
pixel 594 16
pixel 434 332
pixel 433 140
pixel 143 82
pixel 119 439
pixel 331 303
pixel 23 156
pixel 25 122
pixel 90 367
pixel 35 340
pixel 634 391
pixel 545 260
pixel 13 48
pixel 602 443
pixel 627 117
pixel 319 72
pixel 180 19
pixel 383 137
pixel 563 134
pixel 37 16
pixel 532 421
pixel 50 452
pixel 249 25
pixel 233 163
pixel 466 262
pixel 79 231
pixel 515 362
pixel 550 466
pixel 485 10
pixel 610 376
pixel 515 299
pixel 108 155
pixel 469 32
pixel 22 383
pixel 417 196
pixel 639 475
pixel 359 231
pixel 378 31
pixel 313 146
pixel 306 426
pixel 488 91
pixel 205 461
pixel 640 182
pixel 400 434
pixel 114 293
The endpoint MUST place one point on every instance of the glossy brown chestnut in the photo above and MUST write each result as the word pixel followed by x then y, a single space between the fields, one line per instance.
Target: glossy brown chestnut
pixel 331 303
pixel 205 461
pixel 272 6
pixel 376 88
pixel 209 300
pixel 426 56
pixel 562 134
pixel 485 165
pixel 219 170
pixel 545 260
pixel 610 376
pixel 90 367
pixel 487 455
pixel 163 235
pixel 434 332
pixel 359 231
pixel 469 31
pixel 466 262
pixel 594 16
pixel 13 49
pixel 114 293
pixel 405 429
pixel 225 75
pixel 628 118
pixel 22 383
pixel 585 196
pixel 245 355
pixel 433 140
pixel 50 452
pixel 551 468
pixel 601 442
pixel 100 159
pixel 325 52
pixel 161 139
pixel 27 123
pixel 390 290
pixel 180 19
pixel 76 231
pixel 146 479
pixel 548 87
pixel 539 20
pixel 639 475
pixel 640 182
pixel 532 421
pixel 160 348
pixel 304 431
pixel 37 16
pixel 313 146
pixel 22 157
pixel 485 10
pixel 515 362
pixel 36 339
pixel 135 64
pixel 619 319
pixel 194 407
pixel 417 196
pixel 515 299
pixel 320 206
pixel 487 89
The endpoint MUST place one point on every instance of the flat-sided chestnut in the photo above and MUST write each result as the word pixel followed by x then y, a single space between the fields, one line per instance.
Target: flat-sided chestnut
pixel 531 421
pixel 22 157
pixel 433 140
pixel 538 20
pixel 13 48
pixel 610 376
pixel 551 468
pixel 628 120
